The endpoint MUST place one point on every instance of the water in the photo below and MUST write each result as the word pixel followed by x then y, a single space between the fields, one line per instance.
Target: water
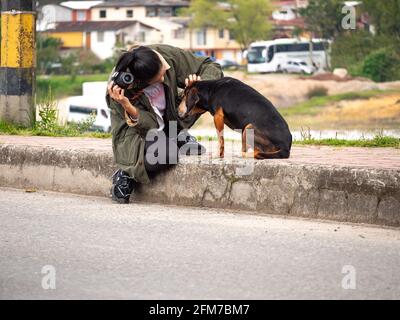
pixel 316 134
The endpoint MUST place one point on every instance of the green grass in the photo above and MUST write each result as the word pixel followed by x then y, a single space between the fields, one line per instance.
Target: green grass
pixel 64 86
pixel 376 142
pixel 59 131
pixel 312 106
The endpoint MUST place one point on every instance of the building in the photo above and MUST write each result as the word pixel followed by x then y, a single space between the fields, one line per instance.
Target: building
pixel 50 14
pixel 101 37
pixel 153 21
pixel 174 30
pixel 286 18
pixel 137 9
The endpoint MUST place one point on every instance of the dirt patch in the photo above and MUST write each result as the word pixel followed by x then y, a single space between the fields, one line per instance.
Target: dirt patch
pixel 332 77
pixel 378 112
pixel 287 90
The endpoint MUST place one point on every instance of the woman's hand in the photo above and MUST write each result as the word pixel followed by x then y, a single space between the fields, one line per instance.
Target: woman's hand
pixel 118 94
pixel 191 79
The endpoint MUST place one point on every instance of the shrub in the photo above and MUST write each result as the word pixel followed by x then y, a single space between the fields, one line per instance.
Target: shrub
pixel 381 65
pixel 318 91
pixel 48 114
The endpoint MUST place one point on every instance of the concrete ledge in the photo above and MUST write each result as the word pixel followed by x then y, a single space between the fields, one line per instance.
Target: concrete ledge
pixel 351 194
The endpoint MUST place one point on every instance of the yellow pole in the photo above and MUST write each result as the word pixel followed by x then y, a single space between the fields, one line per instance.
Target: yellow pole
pixel 17 62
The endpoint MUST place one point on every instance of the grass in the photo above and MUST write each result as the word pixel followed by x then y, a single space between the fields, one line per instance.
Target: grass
pixel 59 131
pixel 64 86
pixel 313 106
pixel 376 142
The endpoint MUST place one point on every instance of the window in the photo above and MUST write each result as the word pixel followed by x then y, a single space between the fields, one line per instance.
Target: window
pixel 165 12
pixel 231 35
pixel 221 33
pixel 82 110
pixel 141 36
pixel 179 34
pixel 201 37
pixel 270 53
pixel 129 13
pixel 151 12
pixel 100 36
pixel 103 13
pixel 255 55
pixel 319 46
pixel 295 47
pixel 80 15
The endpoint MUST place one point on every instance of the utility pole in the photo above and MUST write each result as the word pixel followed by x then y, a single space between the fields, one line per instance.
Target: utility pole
pixel 17 62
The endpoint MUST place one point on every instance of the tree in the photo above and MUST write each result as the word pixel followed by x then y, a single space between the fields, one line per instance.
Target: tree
pixel 323 18
pixel 385 16
pixel 247 20
pixel 47 52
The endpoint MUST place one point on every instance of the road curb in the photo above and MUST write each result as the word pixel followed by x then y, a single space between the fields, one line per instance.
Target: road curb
pixel 340 193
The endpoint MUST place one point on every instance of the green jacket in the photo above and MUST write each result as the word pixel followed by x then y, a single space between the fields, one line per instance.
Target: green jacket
pixel 128 140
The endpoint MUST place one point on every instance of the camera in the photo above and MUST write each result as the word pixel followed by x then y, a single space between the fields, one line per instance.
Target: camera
pixel 122 79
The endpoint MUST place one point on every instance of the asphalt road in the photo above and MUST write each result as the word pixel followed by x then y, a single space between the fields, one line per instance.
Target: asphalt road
pixel 57 246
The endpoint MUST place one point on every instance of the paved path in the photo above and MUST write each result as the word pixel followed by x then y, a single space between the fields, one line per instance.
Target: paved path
pixel 102 250
pixel 383 158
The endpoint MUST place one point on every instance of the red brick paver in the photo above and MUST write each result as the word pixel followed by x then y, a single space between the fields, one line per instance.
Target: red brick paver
pixel 378 158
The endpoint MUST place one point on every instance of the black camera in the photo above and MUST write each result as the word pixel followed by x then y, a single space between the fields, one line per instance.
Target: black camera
pixel 122 79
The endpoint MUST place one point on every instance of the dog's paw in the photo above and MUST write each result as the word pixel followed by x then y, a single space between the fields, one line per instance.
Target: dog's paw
pixel 248 154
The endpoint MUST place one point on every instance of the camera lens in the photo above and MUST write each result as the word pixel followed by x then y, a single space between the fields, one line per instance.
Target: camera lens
pixel 128 78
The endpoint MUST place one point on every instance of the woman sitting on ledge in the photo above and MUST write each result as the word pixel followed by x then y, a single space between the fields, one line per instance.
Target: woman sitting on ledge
pixel 160 72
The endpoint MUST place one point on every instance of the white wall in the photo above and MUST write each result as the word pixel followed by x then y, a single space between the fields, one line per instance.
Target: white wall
pixel 52 13
pixel 103 49
pixel 118 14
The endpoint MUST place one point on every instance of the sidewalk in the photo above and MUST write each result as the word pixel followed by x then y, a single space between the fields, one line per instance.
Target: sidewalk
pixel 345 184
pixel 374 158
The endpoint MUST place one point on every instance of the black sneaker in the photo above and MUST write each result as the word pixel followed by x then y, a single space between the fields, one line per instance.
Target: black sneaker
pixel 192 147
pixel 123 186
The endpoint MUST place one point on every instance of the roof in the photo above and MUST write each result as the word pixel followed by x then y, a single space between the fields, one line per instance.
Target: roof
pixel 79 26
pixel 143 3
pixel 80 5
pixel 160 23
pixel 298 22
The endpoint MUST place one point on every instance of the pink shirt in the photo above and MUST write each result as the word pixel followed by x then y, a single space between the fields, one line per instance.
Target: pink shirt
pixel 156 95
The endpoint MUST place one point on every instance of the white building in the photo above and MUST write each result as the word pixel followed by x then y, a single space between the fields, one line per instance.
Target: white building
pixel 50 14
pixel 101 37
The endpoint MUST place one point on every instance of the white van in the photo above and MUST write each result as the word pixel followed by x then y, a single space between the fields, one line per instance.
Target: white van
pixel 80 108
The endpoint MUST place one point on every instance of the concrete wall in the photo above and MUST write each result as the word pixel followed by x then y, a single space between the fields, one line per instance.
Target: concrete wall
pixel 312 191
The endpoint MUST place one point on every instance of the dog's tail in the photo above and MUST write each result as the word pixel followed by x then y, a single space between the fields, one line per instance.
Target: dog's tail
pixel 268 154
pixel 278 154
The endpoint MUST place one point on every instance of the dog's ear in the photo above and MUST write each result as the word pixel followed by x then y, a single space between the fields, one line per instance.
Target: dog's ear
pixel 192 98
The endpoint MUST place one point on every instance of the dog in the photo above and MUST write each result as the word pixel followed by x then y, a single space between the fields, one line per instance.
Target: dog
pixel 239 106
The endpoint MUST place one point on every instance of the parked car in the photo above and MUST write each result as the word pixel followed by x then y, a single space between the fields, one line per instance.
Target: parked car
pixel 297 66
pixel 81 107
pixel 228 64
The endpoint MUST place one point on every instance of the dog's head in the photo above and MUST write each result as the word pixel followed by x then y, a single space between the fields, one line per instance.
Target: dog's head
pixel 192 102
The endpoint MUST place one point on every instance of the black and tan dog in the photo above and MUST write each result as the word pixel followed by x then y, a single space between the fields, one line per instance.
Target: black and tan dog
pixel 239 106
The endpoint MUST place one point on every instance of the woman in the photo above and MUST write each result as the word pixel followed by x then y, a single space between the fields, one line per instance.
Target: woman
pixel 160 73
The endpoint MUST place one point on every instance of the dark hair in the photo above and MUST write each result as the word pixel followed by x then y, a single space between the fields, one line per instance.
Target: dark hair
pixel 142 62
